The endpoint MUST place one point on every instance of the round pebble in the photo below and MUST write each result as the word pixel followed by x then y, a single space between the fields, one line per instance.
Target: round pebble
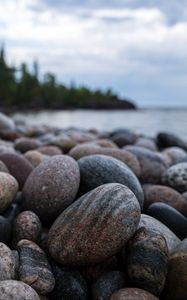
pixel 8 190
pixel 7 263
pixel 16 290
pixel 35 157
pixel 94 227
pixel 96 170
pixel 133 294
pixel 25 144
pixel 147 260
pixel 176 177
pixel 51 187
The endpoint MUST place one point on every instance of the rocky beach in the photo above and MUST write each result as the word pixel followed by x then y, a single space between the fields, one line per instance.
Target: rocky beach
pixel 91 214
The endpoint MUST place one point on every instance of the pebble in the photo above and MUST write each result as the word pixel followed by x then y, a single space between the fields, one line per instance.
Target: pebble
pixel 170 217
pixel 175 154
pixel 27 226
pixel 94 227
pixel 8 190
pixel 49 150
pixel 153 224
pixel 69 284
pixel 35 157
pixel 165 140
pixel 96 170
pixel 107 284
pixel 51 187
pixel 3 167
pixel 133 294
pixel 176 281
pixel 87 149
pixel 147 260
pixel 7 263
pixel 123 137
pixel 18 166
pixel 152 165
pixel 146 143
pixel 34 268
pixel 165 194
pixel 24 144
pixel 17 290
pixel 6 123
pixel 176 177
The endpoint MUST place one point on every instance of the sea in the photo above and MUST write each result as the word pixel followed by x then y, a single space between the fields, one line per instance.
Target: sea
pixel 147 121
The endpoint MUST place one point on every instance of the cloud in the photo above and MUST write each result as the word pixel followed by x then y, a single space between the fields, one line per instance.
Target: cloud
pixel 102 44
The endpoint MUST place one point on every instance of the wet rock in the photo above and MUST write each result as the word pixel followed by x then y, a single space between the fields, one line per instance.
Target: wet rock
pixel 18 166
pixel 34 268
pixel 176 177
pixel 35 157
pixel 92 273
pixel 96 170
pixel 6 123
pixel 153 224
pixel 51 187
pixel 16 290
pixel 101 221
pixel 147 261
pixel 82 150
pixel 27 226
pixel 50 150
pixel 25 144
pixel 107 284
pixel 152 165
pixel 8 190
pixel 165 194
pixel 165 140
pixel 170 217
pixel 176 281
pixel 7 263
pixel 69 284
pixel 133 294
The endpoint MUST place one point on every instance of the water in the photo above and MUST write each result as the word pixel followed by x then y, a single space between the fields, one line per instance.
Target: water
pixel 147 121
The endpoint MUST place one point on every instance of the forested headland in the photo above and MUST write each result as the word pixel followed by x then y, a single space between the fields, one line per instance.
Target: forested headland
pixel 21 89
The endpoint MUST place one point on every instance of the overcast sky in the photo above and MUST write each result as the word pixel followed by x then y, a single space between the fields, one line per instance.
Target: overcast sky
pixel 136 47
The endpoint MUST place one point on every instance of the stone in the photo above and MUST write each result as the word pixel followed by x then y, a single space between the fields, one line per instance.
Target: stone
pixel 175 154
pixel 133 294
pixel 153 224
pixel 8 190
pixel 170 217
pixel 49 150
pixel 65 143
pixel 165 140
pixel 87 149
pixel 176 177
pixel 6 123
pixel 25 144
pixel 34 268
pixel 123 137
pixel 69 284
pixel 96 170
pixel 35 157
pixel 165 194
pixel 51 187
pixel 95 227
pixel 176 281
pixel 92 273
pixel 16 290
pixel 7 263
pixel 107 284
pixel 152 165
pixel 146 143
pixel 3 167
pixel 27 226
pixel 18 166
pixel 147 260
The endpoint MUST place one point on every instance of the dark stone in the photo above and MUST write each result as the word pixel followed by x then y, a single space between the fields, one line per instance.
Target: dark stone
pixel 25 144
pixel 95 227
pixel 69 284
pixel 165 140
pixel 107 284
pixel 18 166
pixel 5 230
pixel 147 261
pixel 96 170
pixel 34 268
pixel 170 217
pixel 51 187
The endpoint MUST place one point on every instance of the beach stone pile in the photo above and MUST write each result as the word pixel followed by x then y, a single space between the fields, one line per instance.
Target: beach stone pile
pixel 89 215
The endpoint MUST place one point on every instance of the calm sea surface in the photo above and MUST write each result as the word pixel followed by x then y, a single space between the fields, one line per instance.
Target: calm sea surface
pixel 147 121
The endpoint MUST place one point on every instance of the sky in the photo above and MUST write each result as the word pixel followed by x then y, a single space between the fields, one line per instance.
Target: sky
pixel 137 48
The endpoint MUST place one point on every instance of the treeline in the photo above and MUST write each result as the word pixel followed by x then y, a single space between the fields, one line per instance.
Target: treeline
pixel 22 89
